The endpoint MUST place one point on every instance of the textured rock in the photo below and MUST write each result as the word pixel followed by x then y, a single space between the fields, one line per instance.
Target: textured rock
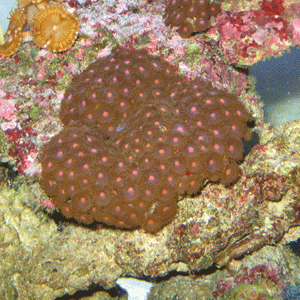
pixel 42 259
pixel 267 269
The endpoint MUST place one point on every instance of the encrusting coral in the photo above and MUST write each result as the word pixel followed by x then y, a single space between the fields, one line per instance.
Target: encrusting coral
pixel 190 15
pixel 135 137
pixel 51 26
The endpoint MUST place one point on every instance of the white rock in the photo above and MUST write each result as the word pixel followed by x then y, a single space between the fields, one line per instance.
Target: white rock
pixel 135 288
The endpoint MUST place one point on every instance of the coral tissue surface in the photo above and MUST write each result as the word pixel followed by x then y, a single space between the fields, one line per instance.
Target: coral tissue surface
pixel 190 15
pixel 135 137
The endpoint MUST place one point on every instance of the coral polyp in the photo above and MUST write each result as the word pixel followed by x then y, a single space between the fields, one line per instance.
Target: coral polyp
pixel 190 15
pixel 50 26
pixel 55 28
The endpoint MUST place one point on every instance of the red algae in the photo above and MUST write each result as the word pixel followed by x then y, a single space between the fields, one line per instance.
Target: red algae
pixel 247 37
pixel 272 8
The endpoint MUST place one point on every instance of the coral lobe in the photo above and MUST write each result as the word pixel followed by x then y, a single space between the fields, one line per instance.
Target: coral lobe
pixel 135 137
pixel 190 15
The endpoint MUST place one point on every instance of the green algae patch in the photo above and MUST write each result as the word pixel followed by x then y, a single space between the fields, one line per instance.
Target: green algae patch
pixel 249 291
pixel 193 49
pixel 35 112
pixel 4 72
pixel 27 60
pixel 3 144
pixel 205 262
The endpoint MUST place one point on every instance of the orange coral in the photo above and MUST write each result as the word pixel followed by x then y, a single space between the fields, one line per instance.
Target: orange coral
pixel 17 20
pixel 38 3
pixel 55 28
pixel 50 26
pixel 24 3
pixel 12 43
pixel 31 11
pixel 13 37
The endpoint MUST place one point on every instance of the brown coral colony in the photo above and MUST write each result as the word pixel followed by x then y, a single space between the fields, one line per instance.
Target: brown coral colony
pixel 190 15
pixel 135 137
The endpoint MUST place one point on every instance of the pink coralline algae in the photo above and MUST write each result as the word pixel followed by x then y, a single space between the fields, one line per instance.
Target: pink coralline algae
pixel 136 136
pixel 22 149
pixel 253 275
pixel 246 37
pixel 7 108
pixel 247 284
pixel 294 29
